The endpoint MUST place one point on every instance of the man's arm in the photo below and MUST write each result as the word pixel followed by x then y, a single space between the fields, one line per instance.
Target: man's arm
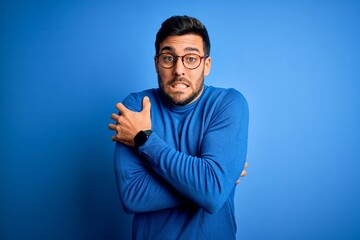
pixel 206 180
pixel 140 188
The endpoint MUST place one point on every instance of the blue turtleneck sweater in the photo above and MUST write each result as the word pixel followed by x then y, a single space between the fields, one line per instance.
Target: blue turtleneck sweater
pixel 180 184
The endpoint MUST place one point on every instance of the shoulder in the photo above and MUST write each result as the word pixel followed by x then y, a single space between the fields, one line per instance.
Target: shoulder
pixel 224 107
pixel 134 100
pixel 224 97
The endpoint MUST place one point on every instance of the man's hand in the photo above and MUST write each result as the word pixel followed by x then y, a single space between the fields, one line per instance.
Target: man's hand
pixel 129 123
pixel 243 173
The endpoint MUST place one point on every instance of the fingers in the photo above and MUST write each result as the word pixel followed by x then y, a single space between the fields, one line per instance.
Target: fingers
pixel 115 117
pixel 146 112
pixel 122 109
pixel 112 127
pixel 128 123
pixel 146 104
pixel 243 173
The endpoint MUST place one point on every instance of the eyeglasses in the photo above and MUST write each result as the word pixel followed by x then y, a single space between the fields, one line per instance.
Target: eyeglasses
pixel 191 61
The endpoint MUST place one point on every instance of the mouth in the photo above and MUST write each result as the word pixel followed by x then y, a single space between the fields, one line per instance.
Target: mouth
pixel 178 85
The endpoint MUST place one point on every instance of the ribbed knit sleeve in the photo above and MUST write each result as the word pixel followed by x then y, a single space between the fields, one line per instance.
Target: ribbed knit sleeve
pixel 207 178
pixel 139 187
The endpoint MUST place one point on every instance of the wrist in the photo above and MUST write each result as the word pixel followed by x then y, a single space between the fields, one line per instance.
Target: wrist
pixel 141 137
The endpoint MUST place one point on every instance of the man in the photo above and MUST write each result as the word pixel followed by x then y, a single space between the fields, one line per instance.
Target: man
pixel 181 148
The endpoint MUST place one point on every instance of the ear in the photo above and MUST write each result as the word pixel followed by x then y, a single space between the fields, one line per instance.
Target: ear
pixel 156 65
pixel 207 66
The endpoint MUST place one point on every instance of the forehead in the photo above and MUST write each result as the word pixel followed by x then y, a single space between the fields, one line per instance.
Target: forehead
pixel 183 43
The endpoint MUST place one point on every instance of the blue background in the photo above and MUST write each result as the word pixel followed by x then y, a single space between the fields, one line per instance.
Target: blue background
pixel 65 64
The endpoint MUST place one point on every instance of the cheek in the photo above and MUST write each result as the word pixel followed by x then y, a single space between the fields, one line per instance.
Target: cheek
pixel 197 76
pixel 168 73
pixel 164 76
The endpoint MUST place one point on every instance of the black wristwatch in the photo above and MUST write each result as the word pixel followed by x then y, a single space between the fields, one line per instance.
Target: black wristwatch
pixel 142 137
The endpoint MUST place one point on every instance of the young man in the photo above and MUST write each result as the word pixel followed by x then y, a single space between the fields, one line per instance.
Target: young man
pixel 181 148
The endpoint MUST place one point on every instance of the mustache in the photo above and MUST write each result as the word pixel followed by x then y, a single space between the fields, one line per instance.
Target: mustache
pixel 179 79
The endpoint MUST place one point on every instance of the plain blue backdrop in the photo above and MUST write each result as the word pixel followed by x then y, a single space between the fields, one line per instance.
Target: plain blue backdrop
pixel 65 64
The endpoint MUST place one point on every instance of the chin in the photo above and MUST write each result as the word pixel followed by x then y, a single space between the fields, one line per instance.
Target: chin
pixel 182 101
pixel 181 98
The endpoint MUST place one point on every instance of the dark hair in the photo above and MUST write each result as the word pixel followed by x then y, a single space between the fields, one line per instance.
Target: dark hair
pixel 181 25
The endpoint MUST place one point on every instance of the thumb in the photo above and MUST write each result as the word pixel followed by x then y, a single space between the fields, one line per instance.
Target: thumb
pixel 146 104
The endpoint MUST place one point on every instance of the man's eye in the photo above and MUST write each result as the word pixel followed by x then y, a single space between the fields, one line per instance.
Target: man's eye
pixel 190 59
pixel 169 58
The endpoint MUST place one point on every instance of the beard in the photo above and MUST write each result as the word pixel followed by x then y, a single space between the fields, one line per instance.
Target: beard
pixel 176 98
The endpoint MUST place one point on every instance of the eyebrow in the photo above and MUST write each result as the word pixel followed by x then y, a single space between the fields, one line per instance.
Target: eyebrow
pixel 188 49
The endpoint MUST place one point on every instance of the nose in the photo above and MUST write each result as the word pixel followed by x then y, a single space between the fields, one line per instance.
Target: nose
pixel 179 68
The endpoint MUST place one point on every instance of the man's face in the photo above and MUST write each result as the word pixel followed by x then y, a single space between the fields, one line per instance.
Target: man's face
pixel 179 84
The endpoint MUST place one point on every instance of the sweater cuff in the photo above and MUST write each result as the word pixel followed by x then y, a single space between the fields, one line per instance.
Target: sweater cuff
pixel 152 149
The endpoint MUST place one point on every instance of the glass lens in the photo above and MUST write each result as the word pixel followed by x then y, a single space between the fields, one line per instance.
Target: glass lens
pixel 167 60
pixel 191 60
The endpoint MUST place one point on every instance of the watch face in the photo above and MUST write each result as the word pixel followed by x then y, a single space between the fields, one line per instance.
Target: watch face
pixel 141 138
pixel 148 133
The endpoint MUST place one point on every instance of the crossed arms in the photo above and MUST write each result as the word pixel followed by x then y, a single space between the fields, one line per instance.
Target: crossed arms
pixel 157 176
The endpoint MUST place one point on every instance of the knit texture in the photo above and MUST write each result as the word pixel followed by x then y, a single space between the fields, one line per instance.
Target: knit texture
pixel 181 183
